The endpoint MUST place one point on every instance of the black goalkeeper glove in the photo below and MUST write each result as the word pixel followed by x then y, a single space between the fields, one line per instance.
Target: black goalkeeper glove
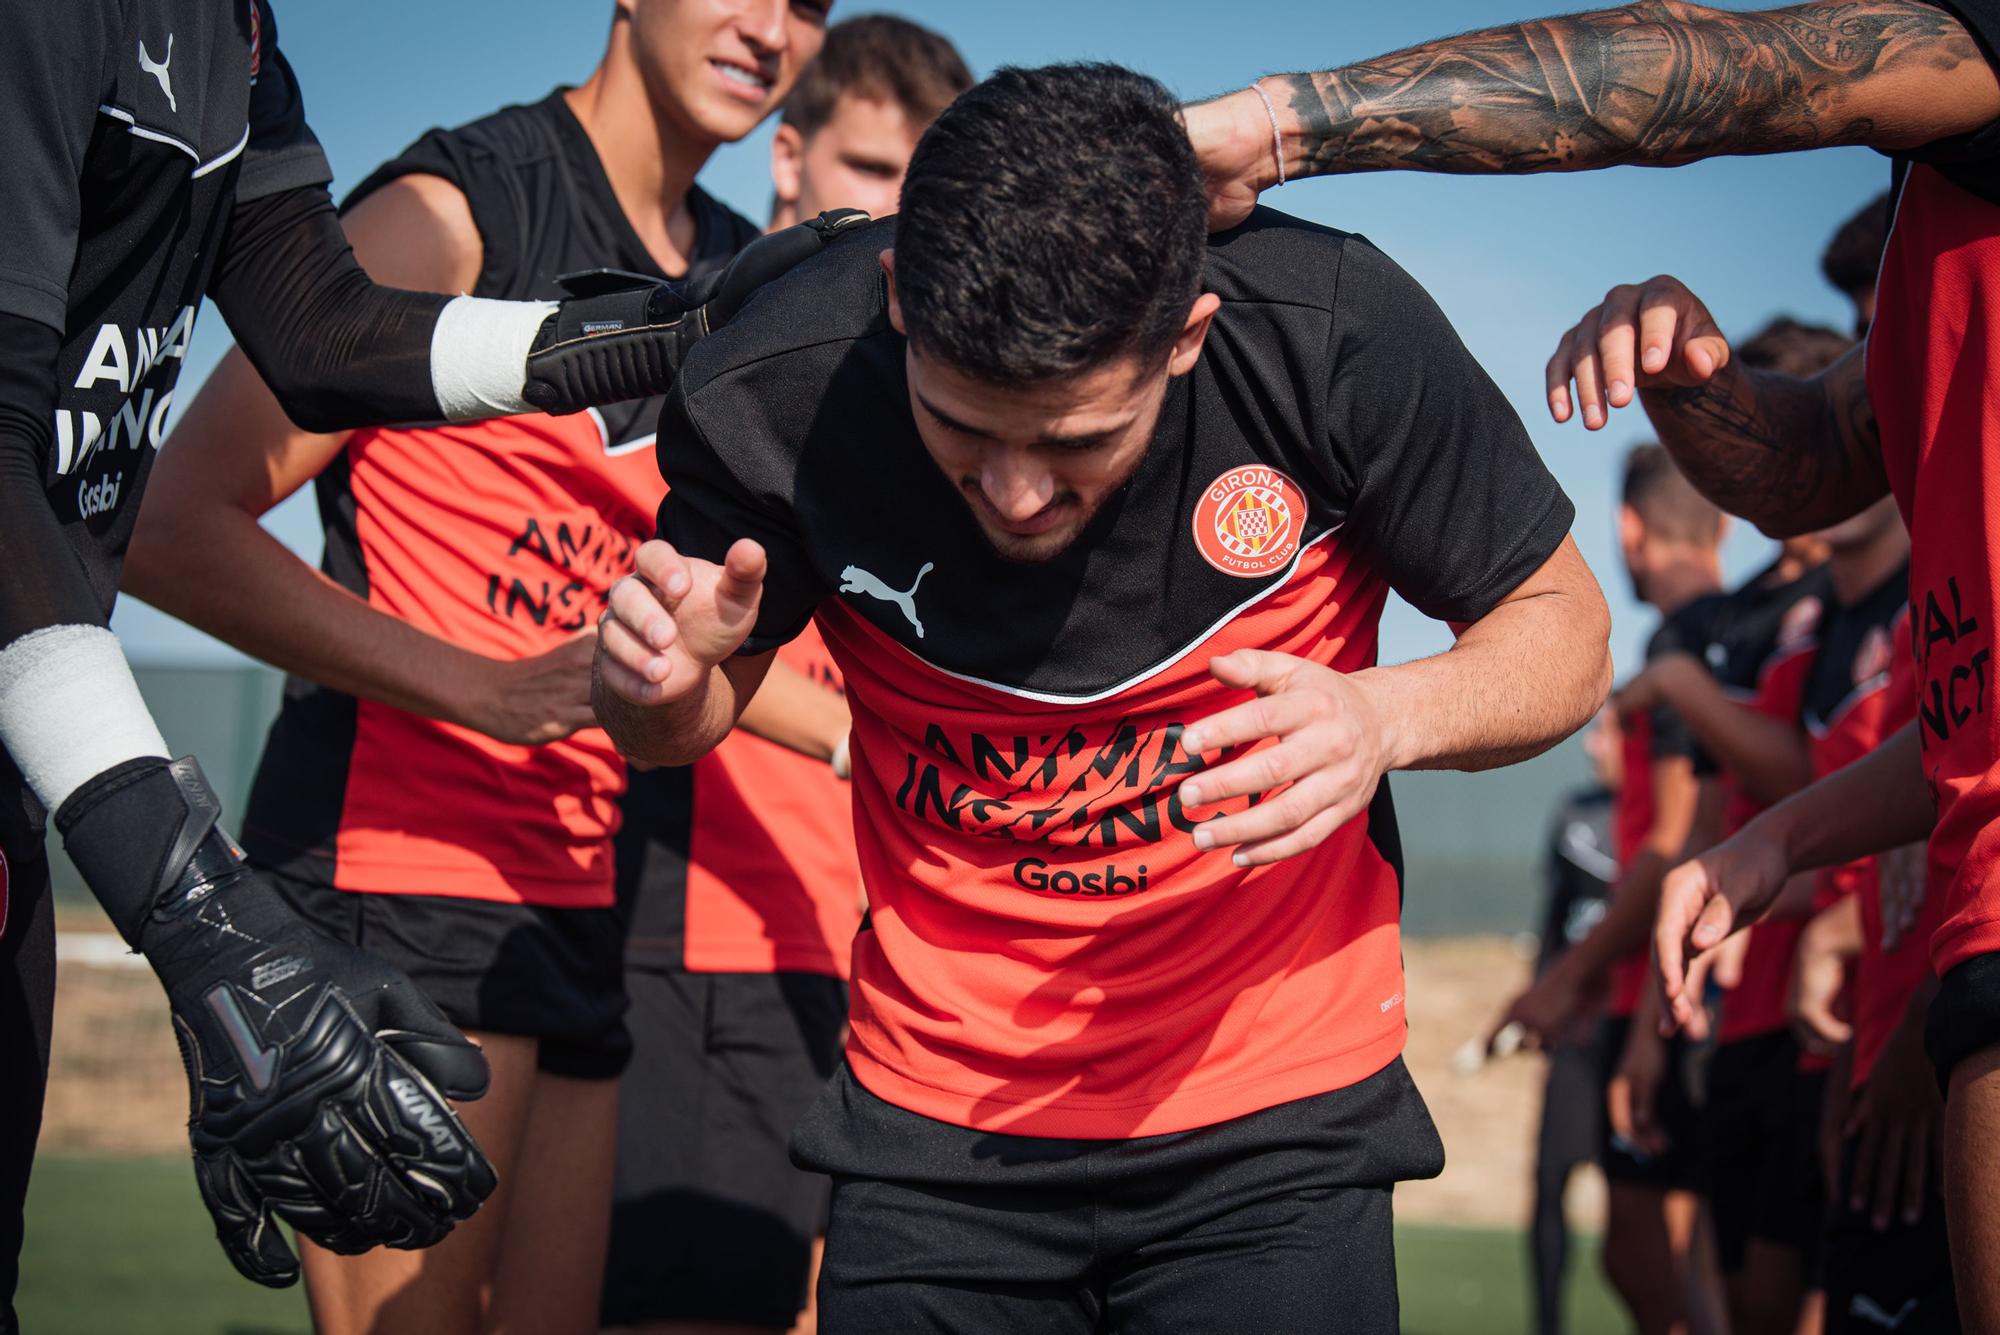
pixel 318 1074
pixel 624 336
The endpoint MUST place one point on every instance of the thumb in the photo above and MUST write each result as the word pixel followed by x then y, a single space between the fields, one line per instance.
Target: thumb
pixel 411 1024
pixel 1705 354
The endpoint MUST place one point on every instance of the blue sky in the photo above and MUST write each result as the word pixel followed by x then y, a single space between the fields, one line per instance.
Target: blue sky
pixel 1512 262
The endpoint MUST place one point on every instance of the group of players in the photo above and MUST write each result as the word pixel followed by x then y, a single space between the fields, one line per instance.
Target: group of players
pixel 1812 1079
pixel 1057 512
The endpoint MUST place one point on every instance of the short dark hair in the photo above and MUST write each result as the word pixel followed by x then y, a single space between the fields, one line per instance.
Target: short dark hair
pixel 1665 500
pixel 883 58
pixel 1052 220
pixel 1852 261
pixel 1792 348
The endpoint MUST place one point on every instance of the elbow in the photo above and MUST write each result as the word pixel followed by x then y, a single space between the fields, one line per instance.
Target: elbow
pixel 310 407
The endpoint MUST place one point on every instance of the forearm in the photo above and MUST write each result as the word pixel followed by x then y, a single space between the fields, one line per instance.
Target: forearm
pixel 1655 84
pixel 794 711
pixel 1767 756
pixel 1790 455
pixel 1879 802
pixel 1518 681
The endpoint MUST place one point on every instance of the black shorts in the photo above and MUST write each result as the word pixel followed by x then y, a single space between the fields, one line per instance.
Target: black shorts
pixel 1677 1168
pixel 1965 1015
pixel 1275 1222
pixel 553 975
pixel 1898 1279
pixel 27 1003
pixel 710 1221
pixel 1760 1149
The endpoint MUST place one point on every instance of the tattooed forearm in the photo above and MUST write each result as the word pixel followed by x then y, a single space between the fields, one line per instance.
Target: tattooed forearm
pixel 1656 83
pixel 1787 454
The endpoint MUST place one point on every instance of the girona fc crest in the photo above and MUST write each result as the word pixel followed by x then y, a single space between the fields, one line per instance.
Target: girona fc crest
pixel 1248 521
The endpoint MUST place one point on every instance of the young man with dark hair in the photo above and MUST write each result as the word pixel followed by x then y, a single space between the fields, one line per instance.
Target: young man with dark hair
pixel 432 789
pixel 157 155
pixel 1670 539
pixel 1668 83
pixel 848 129
pixel 1128 1014
pixel 740 873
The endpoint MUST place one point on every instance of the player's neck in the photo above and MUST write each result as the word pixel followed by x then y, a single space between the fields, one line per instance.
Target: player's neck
pixel 1680 583
pixel 1859 571
pixel 651 164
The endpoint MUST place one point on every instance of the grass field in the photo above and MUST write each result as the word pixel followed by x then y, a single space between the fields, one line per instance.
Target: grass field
pixel 122 1246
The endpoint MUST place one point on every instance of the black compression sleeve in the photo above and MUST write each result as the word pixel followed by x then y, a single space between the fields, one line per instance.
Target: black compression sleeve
pixel 339 350
pixel 44 584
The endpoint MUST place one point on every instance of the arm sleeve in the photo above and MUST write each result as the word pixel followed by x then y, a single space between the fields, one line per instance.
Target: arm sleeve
pixel 281 153
pixel 51 78
pixel 1450 502
pixel 708 508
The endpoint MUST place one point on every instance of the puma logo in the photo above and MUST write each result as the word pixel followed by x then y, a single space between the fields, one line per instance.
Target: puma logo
pixel 158 69
pixel 1869 1310
pixel 856 580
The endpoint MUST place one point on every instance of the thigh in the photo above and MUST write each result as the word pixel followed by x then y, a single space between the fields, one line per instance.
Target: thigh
pixel 551 1261
pixel 1972 1181
pixel 441 1290
pixel 712 1222
pixel 27 1002
pixel 904 1257
pixel 1315 1260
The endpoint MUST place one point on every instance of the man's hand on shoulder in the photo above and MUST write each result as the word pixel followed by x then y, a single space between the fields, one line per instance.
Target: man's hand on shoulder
pixel 1332 748
pixel 674 619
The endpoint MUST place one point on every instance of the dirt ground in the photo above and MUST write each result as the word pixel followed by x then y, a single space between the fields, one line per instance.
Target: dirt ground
pixel 117 1087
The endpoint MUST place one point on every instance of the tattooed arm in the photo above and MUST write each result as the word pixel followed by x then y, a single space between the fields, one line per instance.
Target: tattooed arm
pixel 1658 84
pixel 1789 454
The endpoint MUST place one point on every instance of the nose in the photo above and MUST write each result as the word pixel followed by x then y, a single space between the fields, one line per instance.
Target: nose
pixel 762 23
pixel 1015 484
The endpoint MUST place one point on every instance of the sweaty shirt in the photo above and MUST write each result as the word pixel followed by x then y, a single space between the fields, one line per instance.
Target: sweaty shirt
pixel 133 131
pixel 1859 691
pixel 1048 952
pixel 1657 734
pixel 1934 383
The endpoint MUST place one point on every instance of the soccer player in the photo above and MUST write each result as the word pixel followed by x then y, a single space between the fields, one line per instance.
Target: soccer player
pixel 1128 1014
pixel 847 131
pixel 740 869
pixel 157 156
pixel 432 789
pixel 1670 539
pixel 1662 84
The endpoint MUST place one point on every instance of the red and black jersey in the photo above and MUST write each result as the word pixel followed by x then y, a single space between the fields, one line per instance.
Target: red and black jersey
pixel 1861 689
pixel 1049 954
pixel 1761 659
pixel 1934 383
pixel 503 537
pixel 1655 735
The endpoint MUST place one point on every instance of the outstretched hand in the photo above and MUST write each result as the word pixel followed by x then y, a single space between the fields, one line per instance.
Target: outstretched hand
pixel 674 618
pixel 1652 335
pixel 1705 899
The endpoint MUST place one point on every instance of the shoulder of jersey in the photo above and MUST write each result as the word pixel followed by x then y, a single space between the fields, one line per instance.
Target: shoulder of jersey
pixel 1266 257
pixel 838 295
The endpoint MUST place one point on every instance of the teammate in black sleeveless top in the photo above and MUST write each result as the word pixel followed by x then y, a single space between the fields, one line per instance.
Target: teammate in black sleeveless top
pixel 403 804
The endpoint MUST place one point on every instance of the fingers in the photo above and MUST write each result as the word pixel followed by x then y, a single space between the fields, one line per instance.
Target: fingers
pixel 1584 370
pixel 1617 344
pixel 1684 897
pixel 1661 326
pixel 638 606
pixel 250 1237
pixel 1256 670
pixel 1555 377
pixel 1299 818
pixel 664 568
pixel 1618 1106
pixel 1884 1179
pixel 1916 1171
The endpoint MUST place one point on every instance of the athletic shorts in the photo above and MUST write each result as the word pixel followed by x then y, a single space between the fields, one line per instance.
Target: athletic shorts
pixel 27 1003
pixel 1759 1149
pixel 1275 1222
pixel 1965 1015
pixel 710 1221
pixel 1677 1168
pixel 551 974
pixel 1898 1279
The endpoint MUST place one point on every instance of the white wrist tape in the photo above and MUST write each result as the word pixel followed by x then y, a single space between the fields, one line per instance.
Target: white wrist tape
pixel 69 709
pixel 479 355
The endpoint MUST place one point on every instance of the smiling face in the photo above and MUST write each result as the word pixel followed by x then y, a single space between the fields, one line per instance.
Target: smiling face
pixel 713 69
pixel 1035 462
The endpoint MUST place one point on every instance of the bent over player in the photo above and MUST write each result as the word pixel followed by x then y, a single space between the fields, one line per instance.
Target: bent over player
pixel 1098 533
pixel 157 156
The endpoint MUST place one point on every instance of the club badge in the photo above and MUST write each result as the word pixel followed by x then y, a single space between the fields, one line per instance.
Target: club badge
pixel 1248 521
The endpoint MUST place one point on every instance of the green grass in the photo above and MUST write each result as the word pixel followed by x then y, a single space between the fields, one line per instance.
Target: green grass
pixel 123 1245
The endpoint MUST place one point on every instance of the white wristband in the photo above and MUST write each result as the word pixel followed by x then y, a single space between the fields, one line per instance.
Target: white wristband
pixel 479 355
pixel 70 709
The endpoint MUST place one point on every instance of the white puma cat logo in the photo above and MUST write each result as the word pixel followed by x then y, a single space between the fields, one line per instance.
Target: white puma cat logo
pixel 158 69
pixel 856 580
pixel 1869 1310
